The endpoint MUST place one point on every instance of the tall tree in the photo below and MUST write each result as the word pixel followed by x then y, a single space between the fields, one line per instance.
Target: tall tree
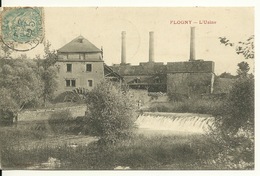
pixel 48 72
pixel 243 69
pixel 19 85
pixel 235 123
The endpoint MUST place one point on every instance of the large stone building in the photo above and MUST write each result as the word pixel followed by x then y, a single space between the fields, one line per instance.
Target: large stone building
pixel 80 65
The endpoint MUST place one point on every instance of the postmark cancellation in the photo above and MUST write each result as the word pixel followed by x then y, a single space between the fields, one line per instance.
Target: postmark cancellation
pixel 22 28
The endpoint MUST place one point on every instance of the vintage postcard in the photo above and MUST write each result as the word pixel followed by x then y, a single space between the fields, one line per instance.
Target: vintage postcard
pixel 127 88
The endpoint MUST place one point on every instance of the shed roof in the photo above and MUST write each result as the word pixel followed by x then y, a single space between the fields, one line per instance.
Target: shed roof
pixel 79 45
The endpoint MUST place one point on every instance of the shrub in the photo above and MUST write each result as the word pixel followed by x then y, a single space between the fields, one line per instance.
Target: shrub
pixel 6 117
pixel 235 127
pixel 37 129
pixel 238 111
pixel 111 112
pixel 63 122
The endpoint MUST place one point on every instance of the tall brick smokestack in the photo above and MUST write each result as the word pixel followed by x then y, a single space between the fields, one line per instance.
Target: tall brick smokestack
pixel 123 49
pixel 192 44
pixel 151 46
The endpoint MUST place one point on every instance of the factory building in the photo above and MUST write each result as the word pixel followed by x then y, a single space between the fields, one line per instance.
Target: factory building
pixel 188 78
pixel 80 65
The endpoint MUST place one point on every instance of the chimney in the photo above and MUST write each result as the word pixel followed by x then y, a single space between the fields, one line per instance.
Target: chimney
pixel 151 46
pixel 123 49
pixel 192 44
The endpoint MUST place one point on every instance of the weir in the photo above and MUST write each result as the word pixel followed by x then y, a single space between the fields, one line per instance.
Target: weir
pixel 175 122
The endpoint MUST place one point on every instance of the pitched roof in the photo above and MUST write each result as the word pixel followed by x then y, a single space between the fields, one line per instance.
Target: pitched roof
pixel 79 45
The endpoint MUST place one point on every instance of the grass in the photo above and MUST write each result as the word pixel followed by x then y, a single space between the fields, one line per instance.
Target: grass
pixel 140 152
pixel 188 106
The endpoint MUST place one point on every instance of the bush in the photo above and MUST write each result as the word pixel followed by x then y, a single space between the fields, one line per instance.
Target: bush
pixel 235 127
pixel 63 122
pixel 111 112
pixel 6 117
pixel 238 111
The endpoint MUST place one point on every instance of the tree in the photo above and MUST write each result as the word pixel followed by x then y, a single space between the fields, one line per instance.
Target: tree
pixel 19 85
pixel 243 69
pixel 235 120
pixel 111 113
pixel 227 75
pixel 47 72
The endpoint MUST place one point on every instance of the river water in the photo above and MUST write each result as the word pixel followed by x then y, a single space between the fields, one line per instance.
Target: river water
pixel 150 123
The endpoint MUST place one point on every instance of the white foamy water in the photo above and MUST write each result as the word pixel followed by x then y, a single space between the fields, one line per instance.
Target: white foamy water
pixel 175 122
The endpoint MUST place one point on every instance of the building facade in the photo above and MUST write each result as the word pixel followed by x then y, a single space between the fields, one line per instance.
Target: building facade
pixel 80 65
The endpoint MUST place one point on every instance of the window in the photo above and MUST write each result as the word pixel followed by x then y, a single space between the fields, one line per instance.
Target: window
pixel 69 67
pixel 90 83
pixel 70 83
pixel 73 83
pixel 89 67
pixel 67 83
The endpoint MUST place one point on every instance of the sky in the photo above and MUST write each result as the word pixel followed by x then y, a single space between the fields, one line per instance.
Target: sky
pixel 103 26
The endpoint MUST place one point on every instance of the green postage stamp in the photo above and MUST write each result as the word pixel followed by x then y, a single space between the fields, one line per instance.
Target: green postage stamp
pixel 22 28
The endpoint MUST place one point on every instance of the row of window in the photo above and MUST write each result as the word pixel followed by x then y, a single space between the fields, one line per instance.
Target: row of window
pixel 88 67
pixel 72 83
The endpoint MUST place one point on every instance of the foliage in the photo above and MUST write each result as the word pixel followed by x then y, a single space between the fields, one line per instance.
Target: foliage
pixel 25 83
pixel 48 77
pixel 243 69
pixel 111 112
pixel 226 75
pixel 246 48
pixel 63 122
pixel 235 140
pixel 19 85
pixel 47 72
pixel 236 151
pixel 238 110
pixel 234 124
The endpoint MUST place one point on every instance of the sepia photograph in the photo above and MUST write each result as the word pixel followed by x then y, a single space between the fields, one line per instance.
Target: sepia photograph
pixel 127 88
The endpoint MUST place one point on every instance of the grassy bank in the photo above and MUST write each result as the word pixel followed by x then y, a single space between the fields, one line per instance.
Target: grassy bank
pixel 140 152
pixel 188 106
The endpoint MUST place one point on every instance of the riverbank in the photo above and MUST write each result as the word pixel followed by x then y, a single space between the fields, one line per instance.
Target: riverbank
pixel 82 152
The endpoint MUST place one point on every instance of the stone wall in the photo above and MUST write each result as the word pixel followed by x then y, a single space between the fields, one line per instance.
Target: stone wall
pixel 44 114
pixel 190 84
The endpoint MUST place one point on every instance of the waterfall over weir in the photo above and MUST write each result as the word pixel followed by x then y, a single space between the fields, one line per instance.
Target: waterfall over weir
pixel 175 122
